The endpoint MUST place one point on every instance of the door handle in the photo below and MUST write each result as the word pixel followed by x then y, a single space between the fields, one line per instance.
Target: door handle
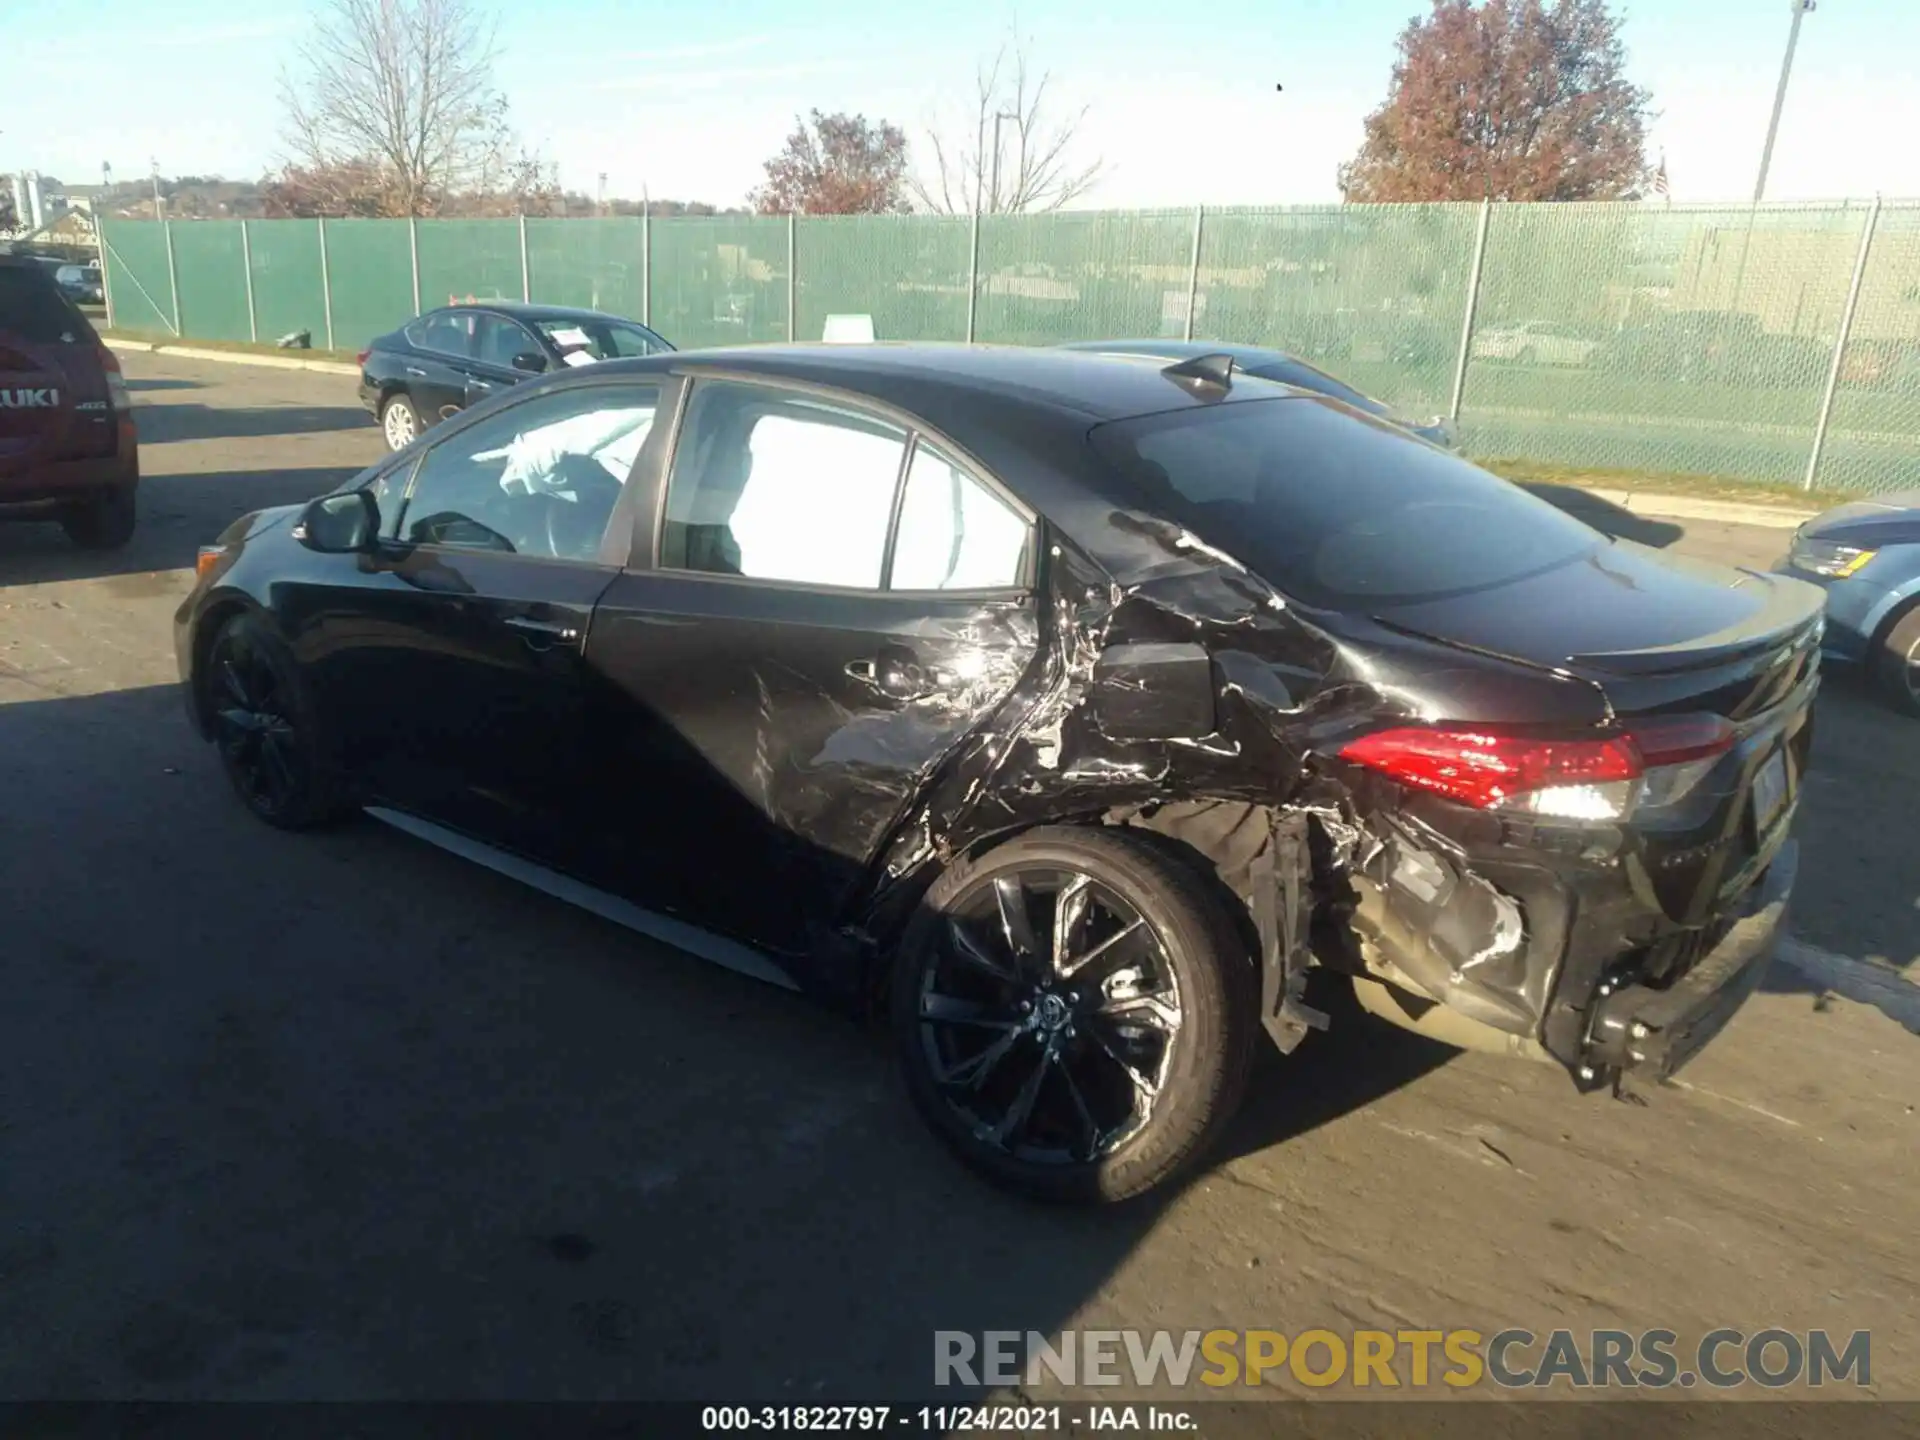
pixel 894 673
pixel 553 632
pixel 416 370
pixel 480 384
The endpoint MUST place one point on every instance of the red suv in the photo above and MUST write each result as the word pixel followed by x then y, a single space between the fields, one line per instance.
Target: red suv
pixel 67 445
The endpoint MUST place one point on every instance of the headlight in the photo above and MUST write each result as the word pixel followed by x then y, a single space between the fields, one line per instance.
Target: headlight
pixel 1824 557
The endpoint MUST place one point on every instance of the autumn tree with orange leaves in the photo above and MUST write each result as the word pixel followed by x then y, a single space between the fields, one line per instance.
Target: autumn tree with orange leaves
pixel 1506 100
pixel 837 165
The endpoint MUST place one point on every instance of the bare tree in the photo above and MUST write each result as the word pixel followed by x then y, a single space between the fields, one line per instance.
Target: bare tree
pixel 1015 154
pixel 402 89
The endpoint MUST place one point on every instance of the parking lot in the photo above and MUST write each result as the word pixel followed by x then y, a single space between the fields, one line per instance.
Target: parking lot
pixel 344 1117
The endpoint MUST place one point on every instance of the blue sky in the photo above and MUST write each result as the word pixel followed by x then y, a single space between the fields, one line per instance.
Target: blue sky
pixel 689 99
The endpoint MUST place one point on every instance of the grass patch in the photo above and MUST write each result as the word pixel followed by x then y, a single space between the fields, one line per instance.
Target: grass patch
pixel 237 347
pixel 1662 482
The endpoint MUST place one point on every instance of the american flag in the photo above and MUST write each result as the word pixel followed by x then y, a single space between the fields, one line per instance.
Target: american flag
pixel 1660 180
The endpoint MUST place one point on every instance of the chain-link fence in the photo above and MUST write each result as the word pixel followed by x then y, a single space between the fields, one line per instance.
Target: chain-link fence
pixel 1777 343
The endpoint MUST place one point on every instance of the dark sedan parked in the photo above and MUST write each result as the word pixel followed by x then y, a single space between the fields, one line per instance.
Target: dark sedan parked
pixel 1081 706
pixel 1276 365
pixel 454 357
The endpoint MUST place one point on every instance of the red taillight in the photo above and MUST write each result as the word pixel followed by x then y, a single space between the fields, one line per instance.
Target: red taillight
pixel 1656 763
pixel 1485 768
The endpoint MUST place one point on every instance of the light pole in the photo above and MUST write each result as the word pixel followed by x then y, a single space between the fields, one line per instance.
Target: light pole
pixel 998 116
pixel 155 164
pixel 1801 9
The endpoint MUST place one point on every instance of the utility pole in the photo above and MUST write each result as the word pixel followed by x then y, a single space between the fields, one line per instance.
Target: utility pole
pixel 1801 9
pixel 158 213
pixel 601 206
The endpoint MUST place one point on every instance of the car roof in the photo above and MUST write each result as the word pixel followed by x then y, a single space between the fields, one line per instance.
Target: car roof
pixel 1245 356
pixel 928 378
pixel 520 310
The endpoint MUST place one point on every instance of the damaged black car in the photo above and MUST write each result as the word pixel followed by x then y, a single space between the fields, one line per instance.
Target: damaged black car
pixel 1068 711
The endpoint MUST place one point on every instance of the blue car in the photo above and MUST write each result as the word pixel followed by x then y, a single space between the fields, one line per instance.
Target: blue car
pixel 1866 556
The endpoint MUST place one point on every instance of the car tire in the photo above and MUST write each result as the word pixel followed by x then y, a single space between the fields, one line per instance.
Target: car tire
pixel 1183 952
pixel 1897 662
pixel 266 729
pixel 399 421
pixel 103 523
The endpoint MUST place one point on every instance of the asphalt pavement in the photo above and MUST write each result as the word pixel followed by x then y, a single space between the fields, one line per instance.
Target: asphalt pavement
pixel 343 1117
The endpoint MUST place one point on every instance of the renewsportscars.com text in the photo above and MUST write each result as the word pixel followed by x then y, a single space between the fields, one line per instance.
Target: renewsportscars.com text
pixel 1391 1359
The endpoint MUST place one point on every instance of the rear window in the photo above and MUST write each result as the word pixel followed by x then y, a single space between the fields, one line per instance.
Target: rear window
pixel 1339 512
pixel 32 308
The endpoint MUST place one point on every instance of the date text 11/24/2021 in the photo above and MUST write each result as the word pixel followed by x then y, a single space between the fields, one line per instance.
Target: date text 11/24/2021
pixel 946 1419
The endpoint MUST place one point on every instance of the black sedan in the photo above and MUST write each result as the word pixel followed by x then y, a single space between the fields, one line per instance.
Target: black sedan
pixel 454 357
pixel 1080 708
pixel 1270 364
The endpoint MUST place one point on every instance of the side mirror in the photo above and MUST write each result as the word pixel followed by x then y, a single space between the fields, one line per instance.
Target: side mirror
pixel 344 524
pixel 530 361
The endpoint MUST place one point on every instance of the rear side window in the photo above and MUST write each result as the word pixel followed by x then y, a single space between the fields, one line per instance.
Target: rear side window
pixel 33 309
pixel 1339 512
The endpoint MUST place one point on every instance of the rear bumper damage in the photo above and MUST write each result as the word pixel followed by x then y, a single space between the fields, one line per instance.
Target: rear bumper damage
pixel 1655 1031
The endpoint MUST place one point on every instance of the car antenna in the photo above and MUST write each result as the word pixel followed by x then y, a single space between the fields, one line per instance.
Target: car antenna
pixel 1202 372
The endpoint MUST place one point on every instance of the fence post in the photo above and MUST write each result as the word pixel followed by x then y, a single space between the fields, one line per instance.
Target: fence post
pixel 1466 321
pixel 793 281
pixel 526 275
pixel 1840 343
pixel 973 275
pixel 413 258
pixel 246 264
pixel 646 267
pixel 106 270
pixel 173 277
pixel 326 282
pixel 1193 272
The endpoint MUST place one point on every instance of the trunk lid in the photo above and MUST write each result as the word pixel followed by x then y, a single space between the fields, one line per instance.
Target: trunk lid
pixel 1657 632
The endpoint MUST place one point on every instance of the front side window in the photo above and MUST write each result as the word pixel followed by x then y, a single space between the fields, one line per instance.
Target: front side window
pixel 499 340
pixel 776 486
pixel 955 534
pixel 540 478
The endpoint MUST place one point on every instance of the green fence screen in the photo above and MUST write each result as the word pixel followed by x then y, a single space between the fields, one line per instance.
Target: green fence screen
pixel 1618 337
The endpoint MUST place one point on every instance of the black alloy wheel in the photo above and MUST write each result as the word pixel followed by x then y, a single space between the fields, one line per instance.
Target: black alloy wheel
pixel 1073 1015
pixel 263 728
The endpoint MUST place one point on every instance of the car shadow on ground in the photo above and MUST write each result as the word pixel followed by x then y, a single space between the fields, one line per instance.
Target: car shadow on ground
pixel 178 514
pixel 1862 787
pixel 358 1119
pixel 1605 516
pixel 171 421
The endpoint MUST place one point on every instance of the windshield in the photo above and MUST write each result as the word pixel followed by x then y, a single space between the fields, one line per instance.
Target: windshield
pixel 1339 512
pixel 584 341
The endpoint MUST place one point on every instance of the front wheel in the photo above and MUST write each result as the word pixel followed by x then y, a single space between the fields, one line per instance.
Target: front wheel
pixel 1075 1015
pixel 1897 666
pixel 103 523
pixel 266 730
